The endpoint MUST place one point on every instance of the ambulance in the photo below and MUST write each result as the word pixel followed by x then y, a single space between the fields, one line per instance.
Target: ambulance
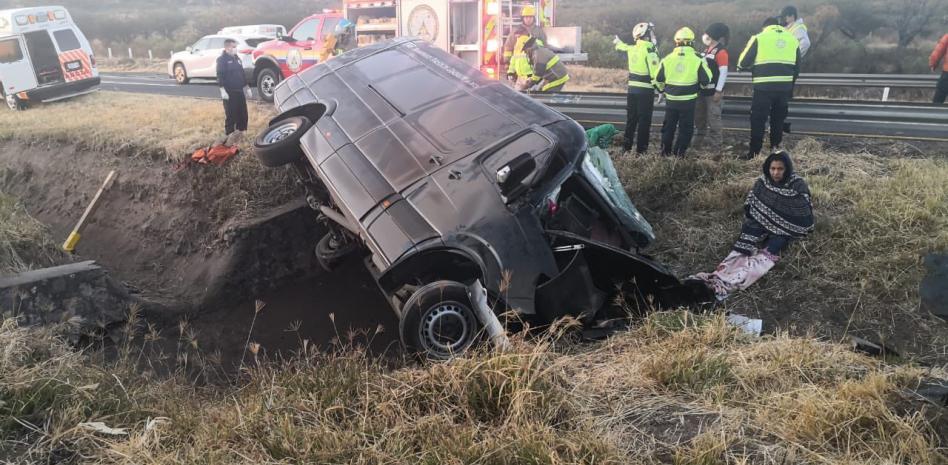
pixel 44 57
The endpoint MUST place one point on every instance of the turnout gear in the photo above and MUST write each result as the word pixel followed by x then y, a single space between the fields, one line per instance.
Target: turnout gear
pixel 533 30
pixel 528 10
pixel 681 75
pixel 548 71
pixel 519 67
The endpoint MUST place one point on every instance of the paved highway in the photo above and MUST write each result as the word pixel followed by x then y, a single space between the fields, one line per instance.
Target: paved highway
pixel 819 118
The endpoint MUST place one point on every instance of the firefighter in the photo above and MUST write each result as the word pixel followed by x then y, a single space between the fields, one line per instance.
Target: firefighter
pixel 773 57
pixel 681 75
pixel 339 41
pixel 520 72
pixel 710 101
pixel 234 88
pixel 529 28
pixel 548 74
pixel 643 67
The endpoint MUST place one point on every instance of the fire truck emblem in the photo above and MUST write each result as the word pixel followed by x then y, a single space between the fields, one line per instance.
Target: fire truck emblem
pixel 423 22
pixel 294 60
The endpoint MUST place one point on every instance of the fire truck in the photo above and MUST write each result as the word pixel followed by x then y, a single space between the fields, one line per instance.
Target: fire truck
pixel 474 30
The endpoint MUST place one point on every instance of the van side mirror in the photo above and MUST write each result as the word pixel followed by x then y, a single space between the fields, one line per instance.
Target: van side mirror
pixel 510 177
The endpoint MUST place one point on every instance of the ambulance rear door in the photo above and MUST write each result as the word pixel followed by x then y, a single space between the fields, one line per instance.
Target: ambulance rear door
pixel 16 71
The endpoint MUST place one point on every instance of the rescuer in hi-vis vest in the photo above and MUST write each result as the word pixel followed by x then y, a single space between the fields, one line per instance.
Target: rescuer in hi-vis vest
pixel 527 28
pixel 681 75
pixel 519 70
pixel 643 68
pixel 773 57
pixel 549 74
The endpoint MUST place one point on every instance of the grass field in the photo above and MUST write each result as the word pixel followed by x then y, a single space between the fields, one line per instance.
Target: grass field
pixel 677 389
pixel 24 242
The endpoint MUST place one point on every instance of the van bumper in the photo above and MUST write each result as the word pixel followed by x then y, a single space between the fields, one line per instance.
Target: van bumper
pixel 62 91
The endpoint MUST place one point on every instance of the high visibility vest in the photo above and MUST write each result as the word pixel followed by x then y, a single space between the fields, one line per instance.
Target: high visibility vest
pixel 776 55
pixel 643 63
pixel 793 28
pixel 520 62
pixel 681 68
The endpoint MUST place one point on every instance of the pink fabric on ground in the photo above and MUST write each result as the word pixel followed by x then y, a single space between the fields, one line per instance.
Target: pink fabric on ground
pixel 738 272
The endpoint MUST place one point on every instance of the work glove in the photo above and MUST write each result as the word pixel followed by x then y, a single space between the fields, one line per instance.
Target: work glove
pixel 616 40
pixel 224 94
pixel 248 92
pixel 512 77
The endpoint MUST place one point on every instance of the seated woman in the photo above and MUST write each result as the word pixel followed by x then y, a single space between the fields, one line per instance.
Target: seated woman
pixel 776 212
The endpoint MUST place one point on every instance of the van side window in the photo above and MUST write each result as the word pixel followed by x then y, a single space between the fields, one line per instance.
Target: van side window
pixel 67 40
pixel 10 50
pixel 216 43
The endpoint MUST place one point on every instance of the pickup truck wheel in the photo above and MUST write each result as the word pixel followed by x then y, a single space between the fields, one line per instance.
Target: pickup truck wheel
pixel 180 74
pixel 438 321
pixel 279 144
pixel 332 249
pixel 267 80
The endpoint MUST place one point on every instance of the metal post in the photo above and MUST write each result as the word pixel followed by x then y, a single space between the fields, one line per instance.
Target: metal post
pixel 885 94
pixel 130 52
pixel 149 55
pixel 110 53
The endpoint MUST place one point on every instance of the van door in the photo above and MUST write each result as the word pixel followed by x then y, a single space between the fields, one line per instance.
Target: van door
pixel 16 72
pixel 76 64
pixel 301 49
pixel 44 57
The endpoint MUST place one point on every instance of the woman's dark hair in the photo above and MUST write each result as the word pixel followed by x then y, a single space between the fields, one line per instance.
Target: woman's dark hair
pixel 781 156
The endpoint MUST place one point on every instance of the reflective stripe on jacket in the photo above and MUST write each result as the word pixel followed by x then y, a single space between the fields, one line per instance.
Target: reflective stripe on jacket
pixel 682 74
pixel 643 64
pixel 548 68
pixel 773 56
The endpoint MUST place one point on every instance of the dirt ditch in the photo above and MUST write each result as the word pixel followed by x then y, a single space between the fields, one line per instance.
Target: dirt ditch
pixel 165 233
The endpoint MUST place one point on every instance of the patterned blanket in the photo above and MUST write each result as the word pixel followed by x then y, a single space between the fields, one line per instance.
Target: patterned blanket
pixel 772 209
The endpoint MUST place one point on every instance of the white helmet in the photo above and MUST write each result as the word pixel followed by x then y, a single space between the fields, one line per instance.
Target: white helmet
pixel 644 31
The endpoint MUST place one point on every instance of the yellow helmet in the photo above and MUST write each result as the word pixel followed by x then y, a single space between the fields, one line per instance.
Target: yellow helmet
pixel 684 35
pixel 528 10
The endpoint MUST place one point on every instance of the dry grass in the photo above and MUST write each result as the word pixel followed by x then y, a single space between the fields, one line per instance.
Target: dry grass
pixel 782 400
pixel 163 127
pixel 132 65
pixel 877 217
pixel 24 242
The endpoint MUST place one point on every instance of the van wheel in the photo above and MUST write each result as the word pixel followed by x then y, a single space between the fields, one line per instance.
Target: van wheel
pixel 180 74
pixel 266 82
pixel 279 144
pixel 14 103
pixel 438 321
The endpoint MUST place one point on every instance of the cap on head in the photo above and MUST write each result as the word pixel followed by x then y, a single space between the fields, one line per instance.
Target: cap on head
pixel 528 10
pixel 718 31
pixel 789 11
pixel 684 36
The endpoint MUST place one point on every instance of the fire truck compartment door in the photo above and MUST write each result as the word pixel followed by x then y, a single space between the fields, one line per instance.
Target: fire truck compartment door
pixel 564 39
pixel 426 19
pixel 16 71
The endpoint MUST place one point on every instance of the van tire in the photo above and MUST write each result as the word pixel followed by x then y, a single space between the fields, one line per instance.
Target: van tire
pixel 329 253
pixel 438 321
pixel 181 74
pixel 279 144
pixel 267 80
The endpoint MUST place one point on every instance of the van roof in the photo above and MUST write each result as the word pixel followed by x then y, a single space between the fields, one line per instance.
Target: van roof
pixel 17 19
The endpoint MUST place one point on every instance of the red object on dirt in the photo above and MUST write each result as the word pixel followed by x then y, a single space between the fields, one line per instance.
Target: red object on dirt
pixel 216 155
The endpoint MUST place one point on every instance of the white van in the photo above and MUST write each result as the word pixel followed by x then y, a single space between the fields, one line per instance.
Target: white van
pixel 44 57
pixel 272 31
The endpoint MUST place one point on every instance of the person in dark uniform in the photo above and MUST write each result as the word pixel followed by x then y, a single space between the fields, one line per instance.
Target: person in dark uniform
pixel 234 88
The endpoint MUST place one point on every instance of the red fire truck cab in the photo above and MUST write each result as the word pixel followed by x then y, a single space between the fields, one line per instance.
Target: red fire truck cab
pixel 473 30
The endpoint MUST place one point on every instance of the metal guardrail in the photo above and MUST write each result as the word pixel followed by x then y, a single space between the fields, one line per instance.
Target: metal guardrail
pixel 897 81
pixel 923 121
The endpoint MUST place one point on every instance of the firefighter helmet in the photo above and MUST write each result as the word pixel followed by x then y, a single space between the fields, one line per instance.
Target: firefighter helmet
pixel 684 36
pixel 642 29
pixel 528 10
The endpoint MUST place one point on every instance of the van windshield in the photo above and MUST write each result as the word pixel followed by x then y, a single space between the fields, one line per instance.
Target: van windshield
pixel 10 50
pixel 67 40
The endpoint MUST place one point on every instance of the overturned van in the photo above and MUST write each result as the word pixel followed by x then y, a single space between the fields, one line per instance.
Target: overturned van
pixel 446 178
pixel 44 57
